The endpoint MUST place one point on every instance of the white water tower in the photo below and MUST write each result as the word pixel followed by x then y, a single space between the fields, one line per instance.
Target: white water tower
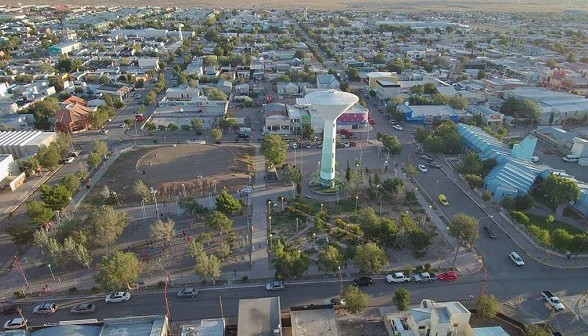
pixel 330 104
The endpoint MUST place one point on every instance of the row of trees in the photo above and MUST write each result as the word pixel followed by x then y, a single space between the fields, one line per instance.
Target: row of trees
pixel 444 139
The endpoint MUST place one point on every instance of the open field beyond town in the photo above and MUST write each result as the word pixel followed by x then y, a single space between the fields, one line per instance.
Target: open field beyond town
pixel 433 5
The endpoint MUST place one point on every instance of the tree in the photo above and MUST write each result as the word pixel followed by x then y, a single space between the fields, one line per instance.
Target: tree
pixel 57 83
pixel 392 143
pixel 307 131
pixel 106 225
pixel 57 197
pixel 49 157
pixel 330 259
pixel 488 306
pixel 191 205
pixel 227 204
pixel 94 159
pixel 474 181
pixel 289 263
pixel 51 250
pixel 558 190
pixel 77 252
pixel 141 189
pixel 216 134
pixel 208 266
pixel 273 147
pixel 100 147
pixel 215 94
pixel 196 249
pixel 464 227
pixel 355 299
pixel 291 174
pixel 537 330
pixel 197 125
pixel 43 110
pixel 164 231
pixel 150 97
pixel 219 221
pixel 401 299
pixel 370 258
pixel 551 63
pixel 118 271
pixel 39 213
pixel 421 134
pixel 71 182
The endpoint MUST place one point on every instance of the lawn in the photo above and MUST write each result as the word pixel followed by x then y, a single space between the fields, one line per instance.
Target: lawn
pixel 540 221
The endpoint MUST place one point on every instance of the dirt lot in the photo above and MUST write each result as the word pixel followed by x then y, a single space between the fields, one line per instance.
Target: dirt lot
pixel 200 168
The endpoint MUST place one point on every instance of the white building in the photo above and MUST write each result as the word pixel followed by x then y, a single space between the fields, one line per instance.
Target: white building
pixel 65 48
pixel 327 81
pixel 24 143
pixel 386 89
pixel 489 116
pixel 144 33
pixel 559 108
pixel 148 63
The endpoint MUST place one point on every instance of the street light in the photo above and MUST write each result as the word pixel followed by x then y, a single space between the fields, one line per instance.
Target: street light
pixel 340 283
pixel 377 188
pixel 429 212
pixel 269 219
pixel 321 207
pixel 356 198
pixel 153 191
pixel 50 270
pixel 270 240
pixel 313 237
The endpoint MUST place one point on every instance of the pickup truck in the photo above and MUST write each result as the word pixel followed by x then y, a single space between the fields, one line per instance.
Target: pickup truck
pixel 424 277
pixel 553 300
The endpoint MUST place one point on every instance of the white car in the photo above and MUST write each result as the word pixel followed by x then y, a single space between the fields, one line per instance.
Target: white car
pixel 516 259
pixel 398 127
pixel 104 131
pixel 45 308
pixel 423 168
pixel 15 323
pixel 275 286
pixel 69 159
pixel 397 277
pixel 294 146
pixel 117 297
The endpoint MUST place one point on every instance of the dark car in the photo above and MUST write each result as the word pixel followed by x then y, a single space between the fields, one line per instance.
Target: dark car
pixel 242 135
pixel 490 232
pixel 363 281
pixel 11 310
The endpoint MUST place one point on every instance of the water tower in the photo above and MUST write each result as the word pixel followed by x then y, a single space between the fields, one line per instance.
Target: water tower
pixel 330 104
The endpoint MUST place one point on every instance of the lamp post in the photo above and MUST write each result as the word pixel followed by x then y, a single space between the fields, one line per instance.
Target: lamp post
pixel 153 192
pixel 143 208
pixel 340 283
pixel 377 188
pixel 321 207
pixel 270 240
pixel 429 212
pixel 184 189
pixel 269 219
pixel 313 237
pixel 51 270
pixel 356 198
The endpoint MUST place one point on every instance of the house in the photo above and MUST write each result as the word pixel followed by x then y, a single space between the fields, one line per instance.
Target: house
pixel 373 77
pixel 118 90
pixel 259 316
pixel 148 63
pixel 327 81
pixel 72 118
pixel 489 116
pixel 65 48
pixel 277 119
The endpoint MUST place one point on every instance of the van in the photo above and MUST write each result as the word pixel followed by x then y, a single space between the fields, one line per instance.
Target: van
pixel 534 158
pixel 571 158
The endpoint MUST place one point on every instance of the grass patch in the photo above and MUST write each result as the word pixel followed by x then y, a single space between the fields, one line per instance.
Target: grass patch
pixel 540 222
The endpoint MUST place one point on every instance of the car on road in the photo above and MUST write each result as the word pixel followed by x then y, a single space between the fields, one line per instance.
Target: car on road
pixel 277 285
pixel 117 297
pixel 11 310
pixel 137 96
pixel 490 232
pixel 424 277
pixel 388 117
pixel 335 302
pixel 319 145
pixel 363 281
pixel 413 131
pixel 553 300
pixel 83 308
pixel 15 323
pixel 423 168
pixel 392 121
pixel 447 276
pixel 103 131
pixel 187 292
pixel 443 200
pixel 516 259
pixel 45 308
pixel 397 277
pixel 398 127
pixel 69 159
pixel 294 145
pixel 534 158
pixel 433 164
pixel 426 157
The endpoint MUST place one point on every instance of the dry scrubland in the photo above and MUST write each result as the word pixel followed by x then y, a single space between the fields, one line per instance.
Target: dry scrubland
pixel 439 5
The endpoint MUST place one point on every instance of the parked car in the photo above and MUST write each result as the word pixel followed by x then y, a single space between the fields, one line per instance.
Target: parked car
pixel 433 164
pixel 335 302
pixel 423 277
pixel 363 281
pixel 11 310
pixel 277 285
pixel 83 308
pixel 490 232
pixel 443 200
pixel 319 145
pixel 117 297
pixel 398 127
pixel 187 292
pixel 447 276
pixel 69 159
pixel 516 259
pixel 15 323
pixel 426 157
pixel 397 277
pixel 242 135
pixel 553 300
pixel 423 168
pixel 294 145
pixel 103 131
pixel 45 308
pixel 534 158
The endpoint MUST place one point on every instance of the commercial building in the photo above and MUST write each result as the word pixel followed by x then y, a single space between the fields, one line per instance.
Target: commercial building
pixel 259 317
pixel 24 143
pixel 428 114
pixel 65 48
pixel 489 116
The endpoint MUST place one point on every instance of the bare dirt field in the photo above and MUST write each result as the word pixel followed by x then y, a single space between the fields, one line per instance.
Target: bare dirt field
pixel 200 168
pixel 395 5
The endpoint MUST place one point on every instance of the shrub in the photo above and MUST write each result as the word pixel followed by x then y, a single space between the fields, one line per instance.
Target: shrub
pixel 245 278
pixel 18 294
pixel 95 290
pixel 409 269
pixel 428 267
pixel 541 234
pixel 419 268
pixel 519 217
pixel 161 284
pixel 507 203
pixel 486 195
pixel 73 290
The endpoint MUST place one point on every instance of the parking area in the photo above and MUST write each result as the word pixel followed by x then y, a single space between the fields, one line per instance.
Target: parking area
pixel 548 156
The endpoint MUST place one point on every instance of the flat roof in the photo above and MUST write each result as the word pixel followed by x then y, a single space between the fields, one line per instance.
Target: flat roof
pixel 259 317
pixel 314 322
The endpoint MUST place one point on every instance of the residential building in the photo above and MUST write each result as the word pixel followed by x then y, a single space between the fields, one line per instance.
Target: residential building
pixel 148 63
pixel 327 81
pixel 120 91
pixel 65 48
pixel 260 316
pixel 489 116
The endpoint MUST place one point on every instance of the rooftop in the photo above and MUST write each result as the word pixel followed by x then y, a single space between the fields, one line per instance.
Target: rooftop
pixel 259 317
pixel 314 322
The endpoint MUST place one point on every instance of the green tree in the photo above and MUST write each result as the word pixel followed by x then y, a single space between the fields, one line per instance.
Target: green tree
pixel 474 181
pixel 291 174
pixel 39 213
pixel 56 198
pixel 119 271
pixel 370 258
pixel 141 189
pixel 558 190
pixel 100 147
pixel 307 131
pixel 216 134
pixel 49 157
pixel 488 306
pixel 330 259
pixel 227 204
pixel 94 159
pixel 196 249
pixel 57 83
pixel 392 143
pixel 355 299
pixel 193 207
pixel 71 182
pixel 106 225
pixel 150 97
pixel 289 263
pixel 51 249
pixel 43 110
pixel 163 231
pixel 464 227
pixel 537 330
pixel 197 125
pixel 208 266
pixel 77 252
pixel 421 134
pixel 219 221
pixel 215 94
pixel 401 298
pixel 273 147
pixel 172 127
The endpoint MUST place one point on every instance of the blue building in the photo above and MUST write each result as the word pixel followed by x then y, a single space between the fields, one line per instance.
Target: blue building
pixel 428 114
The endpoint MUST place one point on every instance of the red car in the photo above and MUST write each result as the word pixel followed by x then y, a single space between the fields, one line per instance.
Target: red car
pixel 447 276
